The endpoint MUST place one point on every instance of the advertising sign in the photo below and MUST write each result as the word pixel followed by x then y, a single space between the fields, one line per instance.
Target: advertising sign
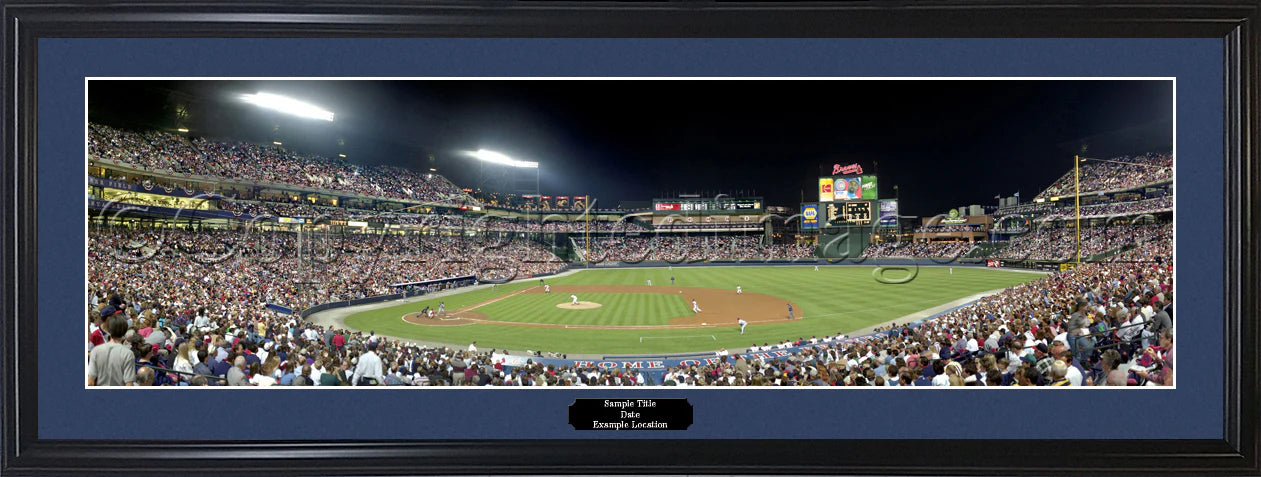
pixel 888 213
pixel 809 216
pixel 837 189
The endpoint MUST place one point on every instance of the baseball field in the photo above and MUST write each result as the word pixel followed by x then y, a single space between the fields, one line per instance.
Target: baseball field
pixel 619 313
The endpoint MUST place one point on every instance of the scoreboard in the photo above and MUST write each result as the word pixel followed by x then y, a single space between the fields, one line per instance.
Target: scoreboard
pixel 854 212
pixel 752 205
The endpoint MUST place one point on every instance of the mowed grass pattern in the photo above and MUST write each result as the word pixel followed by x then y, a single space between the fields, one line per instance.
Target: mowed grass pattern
pixel 632 309
pixel 835 299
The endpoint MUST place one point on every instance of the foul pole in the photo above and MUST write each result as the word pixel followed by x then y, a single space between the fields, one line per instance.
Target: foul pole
pixel 1077 202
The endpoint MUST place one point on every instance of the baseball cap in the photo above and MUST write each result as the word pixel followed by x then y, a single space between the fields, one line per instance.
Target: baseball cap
pixel 1042 347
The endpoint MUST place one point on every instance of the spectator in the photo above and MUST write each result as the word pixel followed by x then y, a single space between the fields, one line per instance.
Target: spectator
pixel 112 363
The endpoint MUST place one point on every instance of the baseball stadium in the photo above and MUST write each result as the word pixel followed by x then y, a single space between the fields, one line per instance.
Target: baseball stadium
pixel 553 233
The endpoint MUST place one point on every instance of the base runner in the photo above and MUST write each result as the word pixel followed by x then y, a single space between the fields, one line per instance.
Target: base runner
pixel 790 311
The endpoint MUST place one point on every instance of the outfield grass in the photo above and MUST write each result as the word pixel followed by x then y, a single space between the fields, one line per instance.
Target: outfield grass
pixel 835 299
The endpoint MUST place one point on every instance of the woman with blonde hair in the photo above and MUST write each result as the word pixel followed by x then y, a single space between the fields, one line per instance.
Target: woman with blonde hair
pixel 266 374
pixel 183 362
pixel 954 373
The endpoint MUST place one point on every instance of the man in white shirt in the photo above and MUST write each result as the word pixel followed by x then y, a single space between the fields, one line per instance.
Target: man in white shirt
pixel 368 367
pixel 472 347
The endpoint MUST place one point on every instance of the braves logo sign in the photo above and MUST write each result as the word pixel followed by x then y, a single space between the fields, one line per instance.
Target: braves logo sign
pixel 850 169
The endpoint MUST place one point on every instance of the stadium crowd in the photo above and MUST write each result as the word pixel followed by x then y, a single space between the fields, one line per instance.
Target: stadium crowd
pixel 1149 206
pixel 160 151
pixel 1059 243
pixel 1099 176
pixel 917 249
pixel 688 248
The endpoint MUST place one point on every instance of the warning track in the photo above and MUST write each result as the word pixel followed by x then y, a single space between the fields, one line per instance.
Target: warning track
pixel 719 308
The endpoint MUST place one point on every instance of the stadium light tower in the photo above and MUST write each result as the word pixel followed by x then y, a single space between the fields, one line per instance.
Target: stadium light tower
pixel 287 105
pixel 502 159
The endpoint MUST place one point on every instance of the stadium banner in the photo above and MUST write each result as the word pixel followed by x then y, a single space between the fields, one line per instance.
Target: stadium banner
pixel 113 184
pixel 112 206
pixel 825 189
pixel 993 263
pixel 810 216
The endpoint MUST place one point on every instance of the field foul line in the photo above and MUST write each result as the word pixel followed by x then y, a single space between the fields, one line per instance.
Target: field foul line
pixel 510 295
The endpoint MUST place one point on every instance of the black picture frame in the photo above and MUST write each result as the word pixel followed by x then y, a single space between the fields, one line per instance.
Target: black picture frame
pixel 1234 21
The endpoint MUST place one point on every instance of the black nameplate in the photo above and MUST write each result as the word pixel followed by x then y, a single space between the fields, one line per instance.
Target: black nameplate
pixel 641 414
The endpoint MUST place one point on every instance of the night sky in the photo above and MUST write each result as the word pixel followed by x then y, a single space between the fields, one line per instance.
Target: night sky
pixel 945 143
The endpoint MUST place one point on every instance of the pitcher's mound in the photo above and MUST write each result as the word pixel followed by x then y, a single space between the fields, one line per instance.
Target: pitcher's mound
pixel 582 305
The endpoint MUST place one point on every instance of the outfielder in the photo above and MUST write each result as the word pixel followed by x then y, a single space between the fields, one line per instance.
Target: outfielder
pixel 695 308
pixel 574 298
pixel 649 282
pixel 816 268
pixel 742 324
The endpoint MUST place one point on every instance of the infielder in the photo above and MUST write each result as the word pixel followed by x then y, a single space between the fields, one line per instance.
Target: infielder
pixel 739 291
pixel 695 308
pixel 547 288
pixel 574 298
pixel 442 307
pixel 742 324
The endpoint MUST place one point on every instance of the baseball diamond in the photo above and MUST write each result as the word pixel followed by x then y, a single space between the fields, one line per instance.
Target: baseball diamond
pixel 837 299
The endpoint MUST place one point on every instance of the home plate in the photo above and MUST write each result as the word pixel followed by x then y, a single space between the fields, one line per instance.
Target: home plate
pixel 582 305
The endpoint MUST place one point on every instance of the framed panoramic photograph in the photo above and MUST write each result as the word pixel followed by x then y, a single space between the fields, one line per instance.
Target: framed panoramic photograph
pixel 679 238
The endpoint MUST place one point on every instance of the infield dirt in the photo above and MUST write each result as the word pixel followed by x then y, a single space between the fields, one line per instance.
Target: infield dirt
pixel 718 307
